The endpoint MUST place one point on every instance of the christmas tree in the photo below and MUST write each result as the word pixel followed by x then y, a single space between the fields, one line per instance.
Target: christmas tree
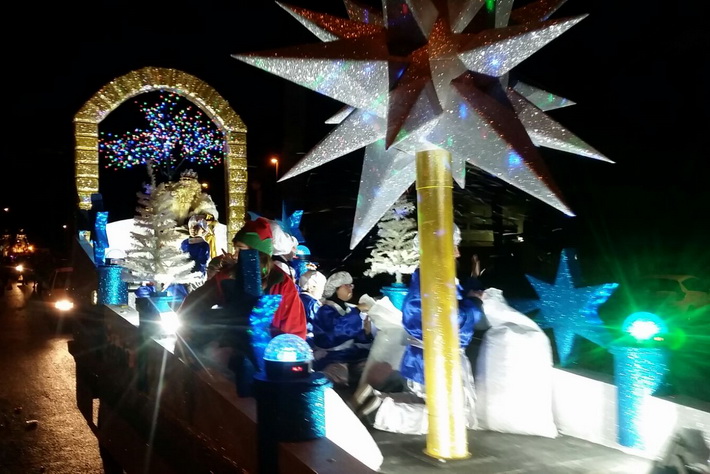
pixel 396 250
pixel 155 255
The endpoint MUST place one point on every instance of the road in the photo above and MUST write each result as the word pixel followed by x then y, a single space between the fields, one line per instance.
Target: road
pixel 41 429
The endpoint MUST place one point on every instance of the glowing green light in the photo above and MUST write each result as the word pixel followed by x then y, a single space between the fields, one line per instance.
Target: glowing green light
pixel 644 326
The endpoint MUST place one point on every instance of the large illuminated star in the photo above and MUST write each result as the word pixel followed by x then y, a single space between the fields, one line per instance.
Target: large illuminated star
pixel 571 311
pixel 429 73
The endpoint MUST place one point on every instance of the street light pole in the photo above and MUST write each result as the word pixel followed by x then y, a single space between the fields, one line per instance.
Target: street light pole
pixel 275 162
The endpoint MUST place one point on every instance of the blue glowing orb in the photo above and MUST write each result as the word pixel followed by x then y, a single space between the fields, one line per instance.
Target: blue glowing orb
pixel 288 348
pixel 644 326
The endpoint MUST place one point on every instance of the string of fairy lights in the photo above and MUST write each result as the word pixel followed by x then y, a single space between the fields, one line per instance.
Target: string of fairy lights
pixel 175 132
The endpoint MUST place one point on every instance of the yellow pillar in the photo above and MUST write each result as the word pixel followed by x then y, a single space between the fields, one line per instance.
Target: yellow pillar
pixel 447 436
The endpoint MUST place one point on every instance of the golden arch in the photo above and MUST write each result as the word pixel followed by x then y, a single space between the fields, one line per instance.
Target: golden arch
pixel 106 100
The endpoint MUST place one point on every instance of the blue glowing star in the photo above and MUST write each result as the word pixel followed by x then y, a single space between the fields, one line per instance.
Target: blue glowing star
pixel 571 311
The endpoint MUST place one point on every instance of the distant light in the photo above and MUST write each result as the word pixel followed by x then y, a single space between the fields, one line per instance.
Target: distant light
pixel 274 161
pixel 644 326
pixel 7 209
pixel 64 226
pixel 19 268
pixel 205 185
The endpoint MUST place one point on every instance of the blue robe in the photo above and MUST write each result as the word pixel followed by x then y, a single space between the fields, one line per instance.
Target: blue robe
pixel 341 333
pixel 311 305
pixel 412 366
pixel 199 252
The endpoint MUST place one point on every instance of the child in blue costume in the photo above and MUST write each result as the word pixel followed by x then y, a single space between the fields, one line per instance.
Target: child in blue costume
pixel 342 335
pixel 311 284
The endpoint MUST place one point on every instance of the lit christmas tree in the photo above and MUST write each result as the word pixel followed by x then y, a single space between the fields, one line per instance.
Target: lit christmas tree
pixel 155 255
pixel 396 251
pixel 177 132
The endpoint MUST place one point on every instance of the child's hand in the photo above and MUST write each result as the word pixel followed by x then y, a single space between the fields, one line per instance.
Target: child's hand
pixel 228 259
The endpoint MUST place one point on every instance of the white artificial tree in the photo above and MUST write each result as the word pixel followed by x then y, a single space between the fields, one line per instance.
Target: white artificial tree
pixel 155 253
pixel 396 250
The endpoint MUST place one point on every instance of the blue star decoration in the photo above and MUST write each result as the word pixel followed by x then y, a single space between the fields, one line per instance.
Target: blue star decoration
pixel 571 311
pixel 290 223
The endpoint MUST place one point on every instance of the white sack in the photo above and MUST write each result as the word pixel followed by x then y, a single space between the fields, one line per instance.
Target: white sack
pixel 390 342
pixel 514 372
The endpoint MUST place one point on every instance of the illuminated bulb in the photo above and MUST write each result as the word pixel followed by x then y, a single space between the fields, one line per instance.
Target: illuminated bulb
pixel 644 326
pixel 643 330
pixel 169 322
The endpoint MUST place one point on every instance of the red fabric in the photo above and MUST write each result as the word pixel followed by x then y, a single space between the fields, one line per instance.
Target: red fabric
pixel 290 316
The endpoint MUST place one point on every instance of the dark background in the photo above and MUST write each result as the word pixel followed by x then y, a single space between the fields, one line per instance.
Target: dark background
pixel 634 68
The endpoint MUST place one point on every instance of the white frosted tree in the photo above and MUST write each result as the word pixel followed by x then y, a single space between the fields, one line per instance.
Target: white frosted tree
pixel 155 254
pixel 396 250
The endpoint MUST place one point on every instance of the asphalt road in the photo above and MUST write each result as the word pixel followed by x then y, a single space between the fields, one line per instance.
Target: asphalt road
pixel 41 429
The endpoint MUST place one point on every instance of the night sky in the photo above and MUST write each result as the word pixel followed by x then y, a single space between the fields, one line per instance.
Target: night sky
pixel 633 68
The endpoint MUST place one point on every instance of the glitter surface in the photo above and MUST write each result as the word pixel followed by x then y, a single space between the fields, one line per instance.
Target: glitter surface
pixel 429 77
pixel 112 290
pixel 638 372
pixel 100 240
pixel 571 311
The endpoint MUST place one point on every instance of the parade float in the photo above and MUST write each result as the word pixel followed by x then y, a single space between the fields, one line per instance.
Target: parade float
pixel 151 410
pixel 426 96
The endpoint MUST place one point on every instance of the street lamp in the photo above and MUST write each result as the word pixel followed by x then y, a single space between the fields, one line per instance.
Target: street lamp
pixel 275 162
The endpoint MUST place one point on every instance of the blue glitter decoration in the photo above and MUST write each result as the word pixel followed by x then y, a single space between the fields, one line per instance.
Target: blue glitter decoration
pixel 260 322
pixel 251 272
pixel 291 223
pixel 289 411
pixel 638 372
pixel 263 311
pixel 571 311
pixel 100 240
pixel 112 289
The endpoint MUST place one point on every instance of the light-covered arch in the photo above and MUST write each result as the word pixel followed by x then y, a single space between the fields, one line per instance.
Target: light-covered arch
pixel 148 79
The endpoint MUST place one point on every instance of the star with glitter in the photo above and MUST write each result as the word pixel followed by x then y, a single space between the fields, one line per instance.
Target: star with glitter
pixel 291 223
pixel 430 73
pixel 569 310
